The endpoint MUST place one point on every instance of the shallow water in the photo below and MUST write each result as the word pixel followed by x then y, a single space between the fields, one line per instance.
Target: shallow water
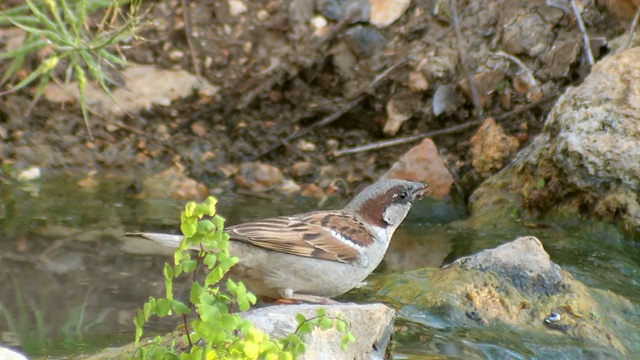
pixel 71 284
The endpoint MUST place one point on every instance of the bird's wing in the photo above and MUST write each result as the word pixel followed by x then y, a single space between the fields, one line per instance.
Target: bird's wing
pixel 329 235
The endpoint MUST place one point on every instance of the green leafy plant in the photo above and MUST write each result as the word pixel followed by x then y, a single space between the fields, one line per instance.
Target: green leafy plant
pixel 215 332
pixel 62 34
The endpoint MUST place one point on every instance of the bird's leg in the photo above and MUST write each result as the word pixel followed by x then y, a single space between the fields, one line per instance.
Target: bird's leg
pixel 288 295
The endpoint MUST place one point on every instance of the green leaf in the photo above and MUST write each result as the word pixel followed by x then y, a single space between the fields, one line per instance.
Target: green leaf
pixel 321 312
pixel 25 49
pixel 326 323
pixel 82 81
pixel 305 328
pixel 189 265
pixel 206 227
pixel 44 67
pixel 231 286
pixel 195 293
pixel 540 184
pixel 163 307
pixel 346 339
pixel 189 208
pixel 180 308
pixel 214 276
pixel 113 58
pixel 292 339
pixel 210 260
pixel 300 318
pixel 44 80
pixel 251 350
pixel 188 228
pixel 44 20
pixel 229 322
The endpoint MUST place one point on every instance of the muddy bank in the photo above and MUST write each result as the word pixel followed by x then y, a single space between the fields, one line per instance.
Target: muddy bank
pixel 279 68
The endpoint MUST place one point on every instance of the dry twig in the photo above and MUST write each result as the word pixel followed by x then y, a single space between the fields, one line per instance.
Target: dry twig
pixel 463 60
pixel 632 28
pixel 187 30
pixel 583 31
pixel 450 130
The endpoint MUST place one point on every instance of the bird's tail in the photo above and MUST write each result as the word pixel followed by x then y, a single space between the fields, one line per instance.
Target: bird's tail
pixel 169 240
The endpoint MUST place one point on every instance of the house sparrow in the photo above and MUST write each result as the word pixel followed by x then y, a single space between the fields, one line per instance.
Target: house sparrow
pixel 317 255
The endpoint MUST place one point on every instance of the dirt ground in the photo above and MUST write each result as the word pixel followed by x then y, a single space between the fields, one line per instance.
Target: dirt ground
pixel 279 74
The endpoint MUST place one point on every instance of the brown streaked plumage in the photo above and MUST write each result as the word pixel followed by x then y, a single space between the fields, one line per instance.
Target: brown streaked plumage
pixel 317 255
pixel 307 235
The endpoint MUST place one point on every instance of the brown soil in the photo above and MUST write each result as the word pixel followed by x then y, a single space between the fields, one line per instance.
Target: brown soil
pixel 276 80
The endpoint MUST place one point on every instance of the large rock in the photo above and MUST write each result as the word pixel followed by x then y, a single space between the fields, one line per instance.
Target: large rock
pixel 516 292
pixel 585 161
pixel 371 325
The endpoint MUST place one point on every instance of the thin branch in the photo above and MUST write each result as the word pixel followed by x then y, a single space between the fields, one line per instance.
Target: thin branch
pixel 463 60
pixel 447 131
pixel 407 139
pixel 583 30
pixel 532 79
pixel 187 30
pixel 326 121
pixel 634 23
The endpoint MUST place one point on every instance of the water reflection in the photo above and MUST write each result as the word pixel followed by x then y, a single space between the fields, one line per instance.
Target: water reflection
pixel 71 283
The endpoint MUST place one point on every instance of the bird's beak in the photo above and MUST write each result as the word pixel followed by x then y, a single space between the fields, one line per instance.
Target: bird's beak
pixel 420 190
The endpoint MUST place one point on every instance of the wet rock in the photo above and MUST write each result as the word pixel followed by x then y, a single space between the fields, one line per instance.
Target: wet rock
pixel 340 9
pixel 364 41
pixel 8 354
pixel 395 118
pixel 523 262
pixel 313 191
pixel 62 262
pixel 491 148
pixel 29 174
pixel 385 12
pixel 302 169
pixel 514 288
pixel 371 326
pixel 173 183
pixel 258 177
pixel 288 187
pixel 423 163
pixel 587 156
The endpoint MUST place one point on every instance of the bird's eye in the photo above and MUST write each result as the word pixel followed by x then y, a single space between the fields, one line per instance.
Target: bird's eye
pixel 403 195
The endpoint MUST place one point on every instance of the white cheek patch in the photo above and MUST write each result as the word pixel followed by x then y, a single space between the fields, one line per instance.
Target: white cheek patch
pixel 395 213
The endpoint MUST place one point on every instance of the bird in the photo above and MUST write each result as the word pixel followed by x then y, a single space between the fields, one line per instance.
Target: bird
pixel 318 255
